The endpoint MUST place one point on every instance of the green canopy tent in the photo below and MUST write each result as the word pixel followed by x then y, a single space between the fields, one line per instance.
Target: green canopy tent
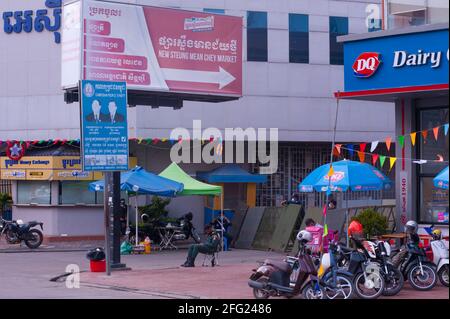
pixel 193 186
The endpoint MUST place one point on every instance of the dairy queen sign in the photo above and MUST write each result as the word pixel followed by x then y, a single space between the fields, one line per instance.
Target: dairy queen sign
pixel 48 18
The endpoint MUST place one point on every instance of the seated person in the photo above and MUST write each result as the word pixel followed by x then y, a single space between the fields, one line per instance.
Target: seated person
pixel 311 223
pixel 217 224
pixel 295 200
pixel 332 203
pixel 212 242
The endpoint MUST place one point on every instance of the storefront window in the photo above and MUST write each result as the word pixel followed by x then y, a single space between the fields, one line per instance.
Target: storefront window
pixel 33 192
pixel 433 202
pixel 76 192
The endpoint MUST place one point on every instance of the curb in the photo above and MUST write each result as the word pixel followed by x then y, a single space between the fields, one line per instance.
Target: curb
pixel 50 250
pixel 149 293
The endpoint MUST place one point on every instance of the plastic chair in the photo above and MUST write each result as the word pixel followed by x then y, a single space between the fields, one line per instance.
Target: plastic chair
pixel 213 258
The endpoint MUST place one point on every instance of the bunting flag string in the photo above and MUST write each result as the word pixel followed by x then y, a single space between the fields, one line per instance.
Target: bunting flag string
pixel 392 159
pixel 401 139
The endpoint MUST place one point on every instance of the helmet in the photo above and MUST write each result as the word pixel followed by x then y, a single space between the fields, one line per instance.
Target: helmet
pixel 304 236
pixel 355 229
pixel 437 234
pixel 411 227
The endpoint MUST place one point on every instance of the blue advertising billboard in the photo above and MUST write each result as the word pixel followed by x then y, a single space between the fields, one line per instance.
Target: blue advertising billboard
pixel 104 126
pixel 397 61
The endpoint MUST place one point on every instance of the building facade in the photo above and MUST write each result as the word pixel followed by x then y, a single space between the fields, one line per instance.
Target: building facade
pixel 292 65
pixel 413 74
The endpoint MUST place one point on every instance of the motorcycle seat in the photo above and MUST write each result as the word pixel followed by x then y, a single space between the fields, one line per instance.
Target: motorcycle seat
pixel 281 265
pixel 346 250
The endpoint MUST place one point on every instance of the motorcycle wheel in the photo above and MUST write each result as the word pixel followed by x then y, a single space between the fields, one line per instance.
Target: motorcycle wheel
pixel 370 290
pixel 422 282
pixel 11 237
pixel 394 281
pixel 36 239
pixel 443 275
pixel 260 293
pixel 344 288
pixel 310 293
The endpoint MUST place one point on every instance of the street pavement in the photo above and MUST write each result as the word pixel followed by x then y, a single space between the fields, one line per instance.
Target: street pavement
pixel 158 275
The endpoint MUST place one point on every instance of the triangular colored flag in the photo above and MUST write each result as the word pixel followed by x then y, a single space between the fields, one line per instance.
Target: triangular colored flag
pixel 388 143
pixel 446 129
pixel 361 156
pixel 139 140
pixel 392 162
pixel 436 132
pixel 164 140
pixel 374 159
pixel 362 147
pixel 325 230
pixel 401 141
pixel 331 171
pixel 338 148
pixel 373 146
pixel 413 138
pixel 425 135
pixel 382 159
pixel 350 150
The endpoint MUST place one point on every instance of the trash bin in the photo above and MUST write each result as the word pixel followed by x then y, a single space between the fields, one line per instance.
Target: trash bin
pixel 97 259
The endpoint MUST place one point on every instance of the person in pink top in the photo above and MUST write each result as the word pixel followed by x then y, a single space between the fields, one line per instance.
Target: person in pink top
pixel 311 223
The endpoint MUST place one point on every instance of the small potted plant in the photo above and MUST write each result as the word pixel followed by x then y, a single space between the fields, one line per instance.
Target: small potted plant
pixel 374 223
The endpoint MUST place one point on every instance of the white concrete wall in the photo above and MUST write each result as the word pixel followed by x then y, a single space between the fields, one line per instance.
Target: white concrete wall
pixel 296 98
pixel 68 221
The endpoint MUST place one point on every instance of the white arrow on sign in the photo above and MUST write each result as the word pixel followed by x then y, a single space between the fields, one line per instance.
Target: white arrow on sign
pixel 223 78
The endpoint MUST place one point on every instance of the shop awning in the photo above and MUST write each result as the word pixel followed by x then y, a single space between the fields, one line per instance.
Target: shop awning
pixel 191 185
pixel 139 181
pixel 230 174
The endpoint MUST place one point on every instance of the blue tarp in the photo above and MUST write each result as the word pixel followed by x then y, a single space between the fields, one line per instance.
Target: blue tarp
pixel 144 182
pixel 231 174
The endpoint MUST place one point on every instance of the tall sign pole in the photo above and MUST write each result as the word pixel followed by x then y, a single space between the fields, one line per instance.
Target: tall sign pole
pixel 104 148
pixel 108 206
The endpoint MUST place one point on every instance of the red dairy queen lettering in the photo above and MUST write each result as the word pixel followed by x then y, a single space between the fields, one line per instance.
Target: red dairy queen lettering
pixel 366 64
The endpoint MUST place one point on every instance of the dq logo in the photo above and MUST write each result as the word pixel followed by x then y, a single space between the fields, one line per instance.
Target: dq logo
pixel 366 64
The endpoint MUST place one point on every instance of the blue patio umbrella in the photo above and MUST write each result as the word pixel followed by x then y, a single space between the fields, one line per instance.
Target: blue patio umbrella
pixel 347 175
pixel 140 182
pixel 441 180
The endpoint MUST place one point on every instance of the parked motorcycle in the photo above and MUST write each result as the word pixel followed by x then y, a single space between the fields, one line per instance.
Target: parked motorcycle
pixel 273 277
pixel 415 267
pixel 380 252
pixel 17 231
pixel 440 254
pixel 368 277
pixel 335 282
pixel 188 229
